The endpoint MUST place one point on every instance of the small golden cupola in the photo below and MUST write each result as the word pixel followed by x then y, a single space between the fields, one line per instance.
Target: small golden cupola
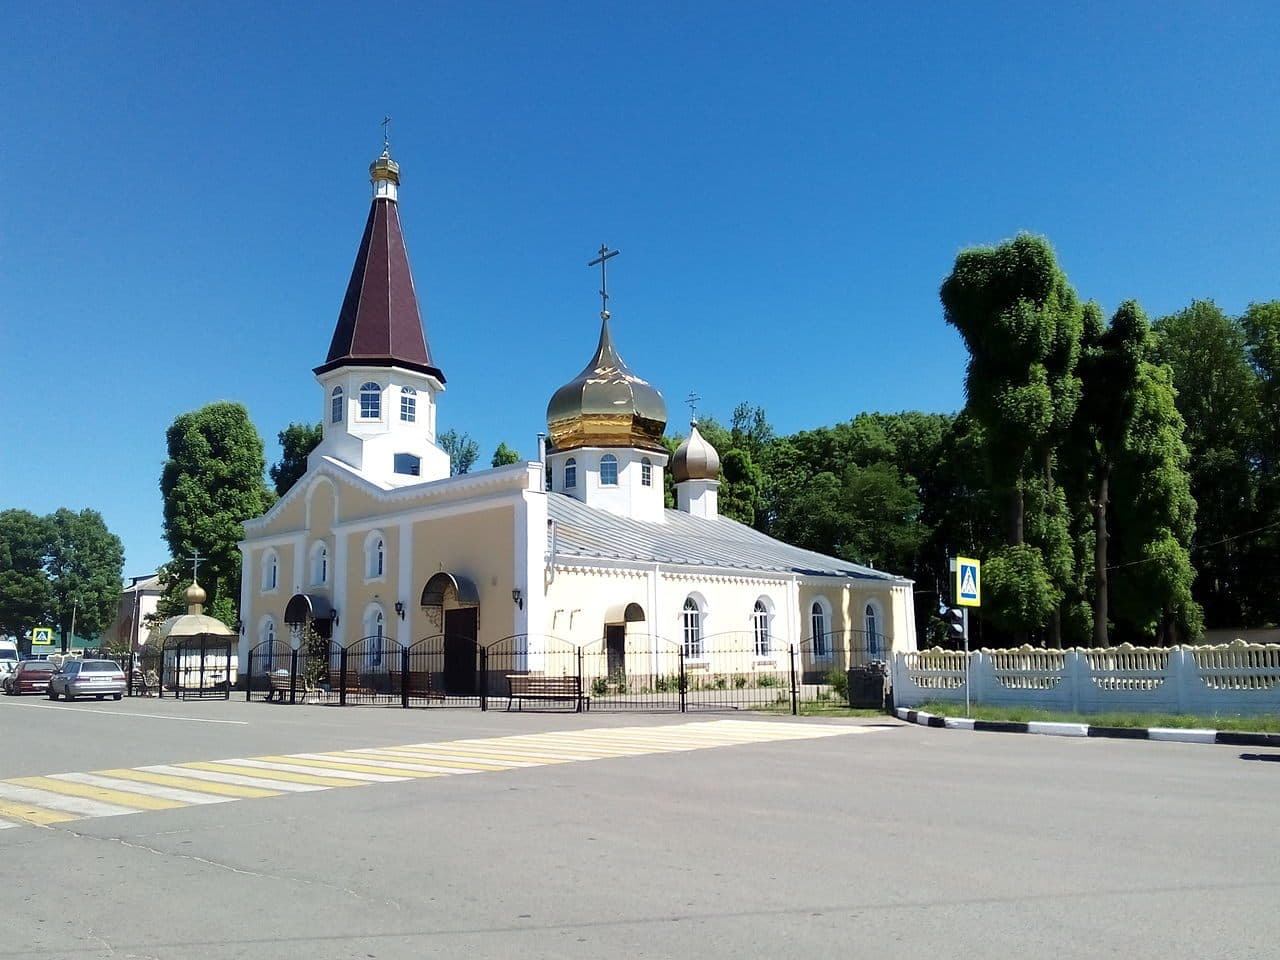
pixel 605 427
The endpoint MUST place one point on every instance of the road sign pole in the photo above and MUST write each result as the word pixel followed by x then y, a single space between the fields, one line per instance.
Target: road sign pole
pixel 968 662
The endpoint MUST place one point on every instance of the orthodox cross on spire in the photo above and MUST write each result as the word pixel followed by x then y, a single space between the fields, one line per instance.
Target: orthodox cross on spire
pixel 605 255
pixel 195 559
pixel 386 134
pixel 692 400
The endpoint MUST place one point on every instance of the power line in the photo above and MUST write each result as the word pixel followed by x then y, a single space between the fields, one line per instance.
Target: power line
pixel 1203 546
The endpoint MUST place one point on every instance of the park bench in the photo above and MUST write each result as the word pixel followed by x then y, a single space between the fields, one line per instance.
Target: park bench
pixel 418 684
pixel 281 683
pixel 521 687
pixel 146 683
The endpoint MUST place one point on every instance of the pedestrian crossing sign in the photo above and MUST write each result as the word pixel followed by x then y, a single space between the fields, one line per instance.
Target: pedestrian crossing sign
pixel 968 591
pixel 42 636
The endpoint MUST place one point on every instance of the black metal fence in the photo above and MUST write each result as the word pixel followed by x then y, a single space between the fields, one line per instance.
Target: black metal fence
pixel 740 670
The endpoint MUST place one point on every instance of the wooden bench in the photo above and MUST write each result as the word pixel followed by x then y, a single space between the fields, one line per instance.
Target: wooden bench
pixel 418 684
pixel 281 683
pixel 525 687
pixel 146 683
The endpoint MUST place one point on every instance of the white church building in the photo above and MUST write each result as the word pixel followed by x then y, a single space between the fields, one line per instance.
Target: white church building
pixel 378 545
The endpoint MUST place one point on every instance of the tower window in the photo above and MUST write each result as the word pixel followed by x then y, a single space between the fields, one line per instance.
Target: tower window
pixel 408 464
pixel 570 473
pixel 335 405
pixel 608 470
pixel 370 401
pixel 408 404
pixel 646 473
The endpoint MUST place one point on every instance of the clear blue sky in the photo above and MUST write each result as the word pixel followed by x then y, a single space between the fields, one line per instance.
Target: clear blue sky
pixel 789 183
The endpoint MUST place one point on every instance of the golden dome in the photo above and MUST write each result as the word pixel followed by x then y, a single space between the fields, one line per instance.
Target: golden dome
pixel 195 597
pixel 607 405
pixel 695 459
pixel 384 168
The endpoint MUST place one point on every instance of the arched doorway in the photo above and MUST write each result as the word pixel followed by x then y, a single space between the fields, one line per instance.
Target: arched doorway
pixel 452 605
pixel 615 636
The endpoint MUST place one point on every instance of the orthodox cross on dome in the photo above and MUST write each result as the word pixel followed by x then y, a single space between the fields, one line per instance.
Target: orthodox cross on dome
pixel 692 400
pixel 386 134
pixel 195 559
pixel 605 255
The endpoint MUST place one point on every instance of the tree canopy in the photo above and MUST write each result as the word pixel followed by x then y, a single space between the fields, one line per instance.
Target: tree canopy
pixel 296 442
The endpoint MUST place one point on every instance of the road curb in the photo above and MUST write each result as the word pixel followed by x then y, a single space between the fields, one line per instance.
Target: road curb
pixel 1229 737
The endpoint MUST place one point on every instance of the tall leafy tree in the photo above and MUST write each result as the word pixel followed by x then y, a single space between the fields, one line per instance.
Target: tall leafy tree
pixel 296 442
pixel 211 483
pixel 84 564
pixel 462 450
pixel 504 456
pixel 740 483
pixel 1021 322
pixel 25 598
pixel 1259 545
pixel 1217 396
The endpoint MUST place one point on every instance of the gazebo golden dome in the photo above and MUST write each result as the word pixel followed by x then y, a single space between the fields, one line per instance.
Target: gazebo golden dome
pixel 606 405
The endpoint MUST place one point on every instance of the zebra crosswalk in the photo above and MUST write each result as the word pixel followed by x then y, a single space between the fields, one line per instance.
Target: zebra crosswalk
pixel 58 798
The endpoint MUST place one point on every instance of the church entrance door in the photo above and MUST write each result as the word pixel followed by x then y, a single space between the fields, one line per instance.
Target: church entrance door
pixel 615 642
pixel 461 629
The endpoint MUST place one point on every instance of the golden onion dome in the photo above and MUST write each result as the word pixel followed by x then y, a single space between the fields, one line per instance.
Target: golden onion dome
pixel 607 405
pixel 195 597
pixel 384 168
pixel 695 459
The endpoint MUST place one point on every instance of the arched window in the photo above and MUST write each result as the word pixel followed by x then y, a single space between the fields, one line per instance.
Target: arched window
pixel 608 470
pixel 692 629
pixel 408 404
pixel 570 473
pixel 335 405
pixel 320 564
pixel 818 630
pixel 370 401
pixel 267 637
pixel 760 628
pixel 871 622
pixel 373 632
pixel 408 464
pixel 646 472
pixel 270 570
pixel 374 556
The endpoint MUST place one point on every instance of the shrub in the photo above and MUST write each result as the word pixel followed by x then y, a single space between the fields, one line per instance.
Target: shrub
pixel 599 687
pixel 839 681
pixel 739 681
pixel 768 680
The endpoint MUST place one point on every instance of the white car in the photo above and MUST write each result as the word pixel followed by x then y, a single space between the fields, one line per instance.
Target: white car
pixel 87 678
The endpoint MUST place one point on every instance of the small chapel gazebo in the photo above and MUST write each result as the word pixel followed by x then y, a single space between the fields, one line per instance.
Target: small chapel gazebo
pixel 198 659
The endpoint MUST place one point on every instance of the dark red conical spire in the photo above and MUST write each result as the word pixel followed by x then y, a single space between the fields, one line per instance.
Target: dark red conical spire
pixel 380 324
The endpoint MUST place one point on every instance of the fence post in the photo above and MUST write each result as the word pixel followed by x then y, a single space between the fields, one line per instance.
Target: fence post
pixel 293 675
pixel 683 683
pixel 342 676
pixel 795 692
pixel 248 679
pixel 404 677
pixel 579 653
pixel 484 678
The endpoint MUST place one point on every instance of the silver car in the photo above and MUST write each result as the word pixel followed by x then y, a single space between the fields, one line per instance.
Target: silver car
pixel 87 678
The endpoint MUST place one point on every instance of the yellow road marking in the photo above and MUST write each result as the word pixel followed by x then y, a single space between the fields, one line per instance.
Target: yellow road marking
pixel 424 760
pixel 264 774
pixel 191 783
pixel 121 798
pixel 37 816
pixel 351 767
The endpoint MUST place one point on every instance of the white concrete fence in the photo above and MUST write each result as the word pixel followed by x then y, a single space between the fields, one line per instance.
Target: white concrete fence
pixel 1234 678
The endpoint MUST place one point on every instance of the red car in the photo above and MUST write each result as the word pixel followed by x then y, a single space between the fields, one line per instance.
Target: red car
pixel 32 676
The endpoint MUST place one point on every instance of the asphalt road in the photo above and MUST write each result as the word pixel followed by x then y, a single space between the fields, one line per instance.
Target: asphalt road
pixel 905 842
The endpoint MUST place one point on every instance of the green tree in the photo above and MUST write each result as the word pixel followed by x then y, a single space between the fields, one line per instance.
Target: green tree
pixel 296 441
pixel 1260 549
pixel 1217 396
pixel 740 483
pixel 211 484
pixel 1022 324
pixel 462 451
pixel 25 597
pixel 504 456
pixel 84 566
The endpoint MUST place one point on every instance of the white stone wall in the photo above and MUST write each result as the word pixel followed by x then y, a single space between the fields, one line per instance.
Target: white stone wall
pixel 1235 678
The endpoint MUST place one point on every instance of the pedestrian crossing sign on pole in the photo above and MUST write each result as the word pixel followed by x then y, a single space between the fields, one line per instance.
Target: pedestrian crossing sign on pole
pixel 968 591
pixel 42 636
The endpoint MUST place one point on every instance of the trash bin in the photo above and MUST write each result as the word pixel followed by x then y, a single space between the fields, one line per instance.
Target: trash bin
pixel 866 687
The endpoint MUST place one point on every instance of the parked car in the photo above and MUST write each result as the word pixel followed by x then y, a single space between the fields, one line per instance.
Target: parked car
pixel 87 678
pixel 9 658
pixel 31 676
